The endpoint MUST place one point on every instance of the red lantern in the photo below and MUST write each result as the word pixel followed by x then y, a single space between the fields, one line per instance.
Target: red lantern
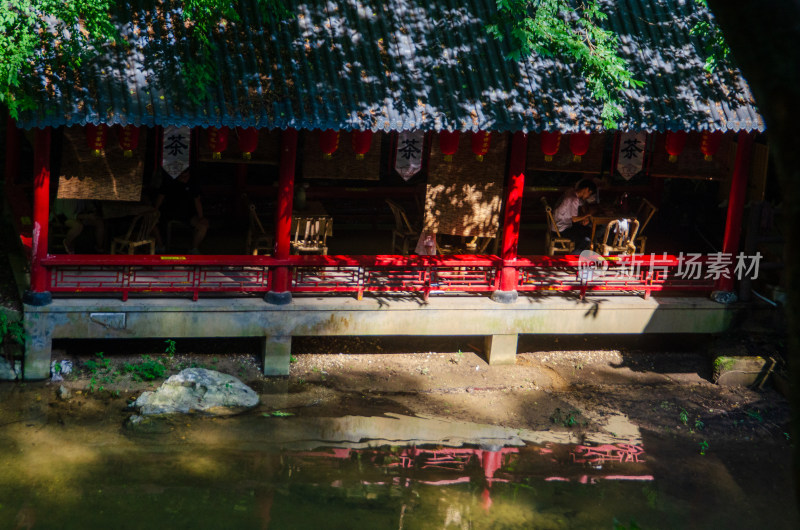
pixel 480 144
pixel 551 141
pixel 217 141
pixel 96 137
pixel 448 144
pixel 709 144
pixel 361 140
pixel 675 144
pixel 579 145
pixel 128 139
pixel 248 141
pixel 328 142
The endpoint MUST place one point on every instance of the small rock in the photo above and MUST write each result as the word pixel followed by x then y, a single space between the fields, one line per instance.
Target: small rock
pixel 140 424
pixel 58 369
pixel 63 393
pixel 198 390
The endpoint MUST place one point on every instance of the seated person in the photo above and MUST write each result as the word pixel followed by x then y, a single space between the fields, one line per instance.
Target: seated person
pixel 74 214
pixel 179 200
pixel 567 214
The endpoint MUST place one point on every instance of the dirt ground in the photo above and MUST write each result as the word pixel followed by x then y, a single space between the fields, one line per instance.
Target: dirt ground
pixel 713 444
pixel 662 383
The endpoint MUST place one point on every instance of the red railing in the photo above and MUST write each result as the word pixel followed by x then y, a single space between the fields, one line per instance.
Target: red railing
pixel 359 274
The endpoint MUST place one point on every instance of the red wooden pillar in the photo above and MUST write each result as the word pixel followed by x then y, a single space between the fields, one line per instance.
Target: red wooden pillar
pixel 38 294
pixel 733 223
pixel 516 184
pixel 280 293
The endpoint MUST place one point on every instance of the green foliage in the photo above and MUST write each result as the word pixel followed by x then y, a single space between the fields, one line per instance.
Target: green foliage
pixel 566 419
pixel 277 414
pixel 11 330
pixel 95 365
pixel 555 27
pixel 703 447
pixel 170 349
pixel 754 414
pixel 147 370
pixel 723 364
pixel 631 526
pixel 55 36
pixel 713 42
pixel 684 416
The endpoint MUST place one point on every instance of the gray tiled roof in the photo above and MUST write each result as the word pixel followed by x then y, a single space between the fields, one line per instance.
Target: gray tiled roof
pixel 392 65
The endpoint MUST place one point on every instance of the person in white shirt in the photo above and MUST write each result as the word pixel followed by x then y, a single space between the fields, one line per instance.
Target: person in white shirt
pixel 567 214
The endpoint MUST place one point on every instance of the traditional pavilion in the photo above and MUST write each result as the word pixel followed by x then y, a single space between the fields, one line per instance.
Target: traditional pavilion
pixel 388 91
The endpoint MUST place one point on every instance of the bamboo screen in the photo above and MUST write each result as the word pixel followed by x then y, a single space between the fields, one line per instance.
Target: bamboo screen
pixel 464 197
pixel 110 177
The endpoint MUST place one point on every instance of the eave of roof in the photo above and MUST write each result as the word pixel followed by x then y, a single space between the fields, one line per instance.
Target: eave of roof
pixel 390 65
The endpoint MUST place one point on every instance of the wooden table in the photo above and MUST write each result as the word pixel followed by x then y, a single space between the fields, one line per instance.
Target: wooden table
pixel 603 218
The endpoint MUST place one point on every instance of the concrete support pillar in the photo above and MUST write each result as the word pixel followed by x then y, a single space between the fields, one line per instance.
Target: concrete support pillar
pixel 38 346
pixel 276 355
pixel 501 349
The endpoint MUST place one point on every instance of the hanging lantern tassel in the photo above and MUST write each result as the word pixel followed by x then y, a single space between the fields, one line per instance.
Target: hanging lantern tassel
pixel 96 138
pixel 248 141
pixel 579 145
pixel 217 141
pixel 480 144
pixel 709 144
pixel 328 143
pixel 551 141
pixel 128 140
pixel 448 144
pixel 361 141
pixel 675 144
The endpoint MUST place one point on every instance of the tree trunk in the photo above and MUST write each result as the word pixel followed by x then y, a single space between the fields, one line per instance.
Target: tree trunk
pixel 763 37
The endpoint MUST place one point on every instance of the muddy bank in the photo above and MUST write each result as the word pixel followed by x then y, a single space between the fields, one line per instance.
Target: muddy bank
pixel 718 456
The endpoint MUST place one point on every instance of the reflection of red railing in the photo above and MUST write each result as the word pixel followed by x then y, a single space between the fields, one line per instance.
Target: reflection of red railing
pixel 358 274
pixel 602 454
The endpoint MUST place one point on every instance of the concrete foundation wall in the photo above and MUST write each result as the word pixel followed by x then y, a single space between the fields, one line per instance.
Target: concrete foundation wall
pixel 400 315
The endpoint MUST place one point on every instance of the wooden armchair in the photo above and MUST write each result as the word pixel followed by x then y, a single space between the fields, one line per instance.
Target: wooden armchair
pixel 257 240
pixel 644 213
pixel 554 242
pixel 310 235
pixel 404 236
pixel 622 241
pixel 480 245
pixel 140 233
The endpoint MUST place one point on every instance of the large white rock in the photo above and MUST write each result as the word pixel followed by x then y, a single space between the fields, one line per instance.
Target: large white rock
pixel 198 390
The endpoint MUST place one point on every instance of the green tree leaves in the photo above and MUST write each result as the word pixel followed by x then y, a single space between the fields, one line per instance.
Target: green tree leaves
pixel 55 36
pixel 555 27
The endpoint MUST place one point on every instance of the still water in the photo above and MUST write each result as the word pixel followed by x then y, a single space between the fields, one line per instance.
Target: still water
pixel 390 471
